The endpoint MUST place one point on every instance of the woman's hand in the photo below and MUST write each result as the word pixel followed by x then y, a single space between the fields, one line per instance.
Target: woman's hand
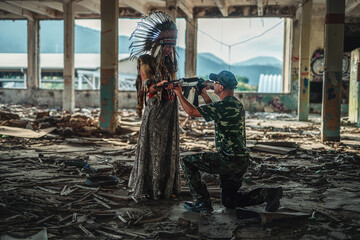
pixel 158 85
pixel 176 88
pixel 161 83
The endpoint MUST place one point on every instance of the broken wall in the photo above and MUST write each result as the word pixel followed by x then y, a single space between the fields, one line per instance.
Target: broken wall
pixel 53 98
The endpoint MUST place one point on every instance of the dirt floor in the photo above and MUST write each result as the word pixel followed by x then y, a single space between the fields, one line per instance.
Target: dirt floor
pixel 71 183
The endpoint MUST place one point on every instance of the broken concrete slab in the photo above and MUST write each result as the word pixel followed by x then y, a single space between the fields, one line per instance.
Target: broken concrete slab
pixel 282 214
pixel 24 133
pixel 42 235
pixel 219 225
pixel 340 198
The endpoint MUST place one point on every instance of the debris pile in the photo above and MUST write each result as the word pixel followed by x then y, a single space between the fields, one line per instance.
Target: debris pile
pixel 74 184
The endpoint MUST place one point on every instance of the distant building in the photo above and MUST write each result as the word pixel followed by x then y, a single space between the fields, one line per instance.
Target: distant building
pixel 127 73
pixel 13 69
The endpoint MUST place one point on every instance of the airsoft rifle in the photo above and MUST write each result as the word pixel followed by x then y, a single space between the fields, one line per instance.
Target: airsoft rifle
pixel 197 83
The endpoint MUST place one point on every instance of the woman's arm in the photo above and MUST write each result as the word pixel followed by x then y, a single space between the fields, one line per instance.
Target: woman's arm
pixel 145 74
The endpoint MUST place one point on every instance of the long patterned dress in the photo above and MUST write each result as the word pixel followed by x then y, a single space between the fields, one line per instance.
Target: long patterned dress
pixel 156 171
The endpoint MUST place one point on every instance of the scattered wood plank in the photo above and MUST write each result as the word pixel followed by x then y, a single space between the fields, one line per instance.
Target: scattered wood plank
pixel 129 215
pixel 279 144
pixel 47 190
pixel 65 218
pixel 133 198
pixel 152 220
pixel 139 219
pixel 116 143
pixel 68 191
pixel 101 202
pixel 87 195
pixel 87 232
pixel 272 149
pixel 128 233
pixel 87 188
pixel 105 199
pixel 113 196
pixel 45 219
pixel 110 235
pixel 122 219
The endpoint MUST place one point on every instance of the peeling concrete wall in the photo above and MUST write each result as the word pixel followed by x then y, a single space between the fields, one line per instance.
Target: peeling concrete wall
pixel 317 34
pixel 53 98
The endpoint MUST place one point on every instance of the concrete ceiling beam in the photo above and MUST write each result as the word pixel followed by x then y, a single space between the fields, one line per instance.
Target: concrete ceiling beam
pixel 187 7
pixel 35 7
pixel 351 5
pixel 16 10
pixel 260 8
pixel 92 5
pixel 58 6
pixel 138 5
pixel 223 6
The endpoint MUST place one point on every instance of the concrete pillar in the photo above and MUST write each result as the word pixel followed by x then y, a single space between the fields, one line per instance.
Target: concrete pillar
pixel 171 8
pixel 109 65
pixel 333 56
pixel 354 97
pixel 69 72
pixel 33 44
pixel 191 47
pixel 304 61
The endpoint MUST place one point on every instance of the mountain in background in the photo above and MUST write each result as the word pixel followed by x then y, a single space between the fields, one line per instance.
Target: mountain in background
pixel 209 63
pixel 13 39
pixel 261 61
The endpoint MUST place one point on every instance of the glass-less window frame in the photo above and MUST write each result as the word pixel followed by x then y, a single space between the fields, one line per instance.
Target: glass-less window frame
pixel 14 74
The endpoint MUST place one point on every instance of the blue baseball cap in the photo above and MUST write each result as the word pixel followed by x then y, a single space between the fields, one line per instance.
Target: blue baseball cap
pixel 226 78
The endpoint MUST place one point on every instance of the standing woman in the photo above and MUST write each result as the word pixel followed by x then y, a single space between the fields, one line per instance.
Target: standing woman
pixel 156 171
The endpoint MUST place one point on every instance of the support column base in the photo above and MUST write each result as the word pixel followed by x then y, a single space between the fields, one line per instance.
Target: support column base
pixel 330 139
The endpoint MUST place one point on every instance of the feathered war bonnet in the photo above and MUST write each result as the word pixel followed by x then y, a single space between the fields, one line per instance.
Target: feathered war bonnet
pixel 158 29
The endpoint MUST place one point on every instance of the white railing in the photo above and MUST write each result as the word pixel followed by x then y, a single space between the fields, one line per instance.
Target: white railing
pixel 85 80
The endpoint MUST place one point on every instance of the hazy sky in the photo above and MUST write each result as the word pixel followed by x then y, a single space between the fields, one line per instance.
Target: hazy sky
pixel 215 35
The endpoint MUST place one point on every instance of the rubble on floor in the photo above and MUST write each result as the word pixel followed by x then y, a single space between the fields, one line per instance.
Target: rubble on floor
pixel 71 183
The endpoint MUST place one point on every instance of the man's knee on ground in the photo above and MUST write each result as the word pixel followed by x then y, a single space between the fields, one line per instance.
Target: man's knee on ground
pixel 228 198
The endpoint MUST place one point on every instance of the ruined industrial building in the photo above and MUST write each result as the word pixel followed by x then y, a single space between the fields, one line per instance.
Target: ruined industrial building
pixel 66 153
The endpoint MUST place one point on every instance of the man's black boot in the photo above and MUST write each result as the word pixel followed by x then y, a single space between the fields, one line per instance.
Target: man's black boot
pixel 272 199
pixel 202 207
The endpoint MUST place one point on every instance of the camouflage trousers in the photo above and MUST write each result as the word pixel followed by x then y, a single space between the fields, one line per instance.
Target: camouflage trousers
pixel 231 170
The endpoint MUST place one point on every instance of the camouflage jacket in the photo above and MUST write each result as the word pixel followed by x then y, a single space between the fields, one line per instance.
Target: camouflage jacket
pixel 229 117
